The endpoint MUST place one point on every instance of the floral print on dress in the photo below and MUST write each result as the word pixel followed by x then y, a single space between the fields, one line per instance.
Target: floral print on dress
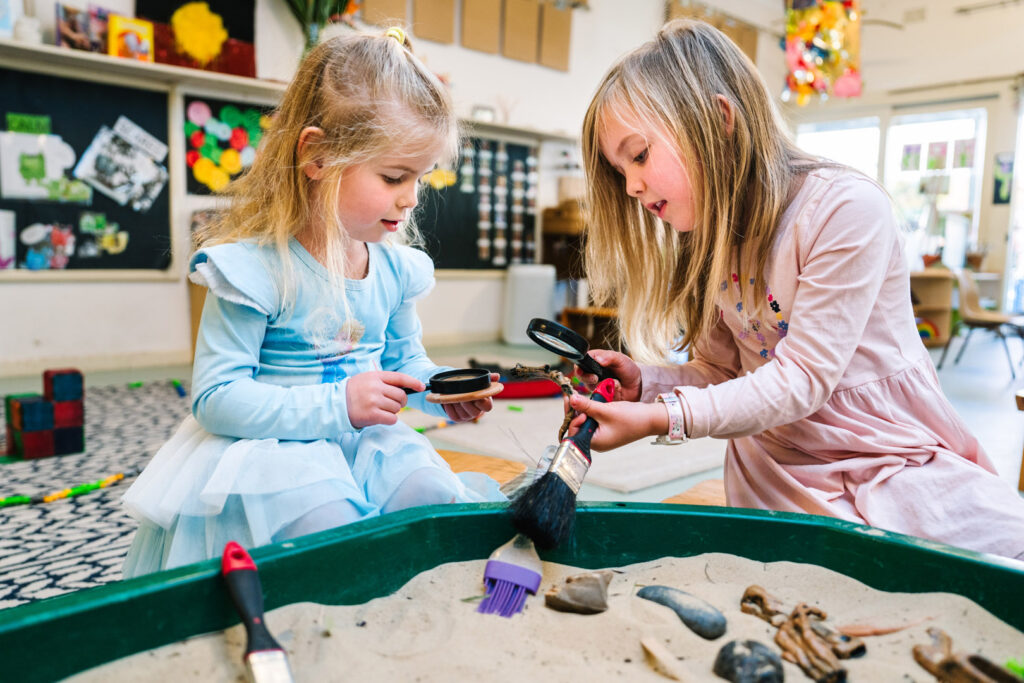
pixel 753 327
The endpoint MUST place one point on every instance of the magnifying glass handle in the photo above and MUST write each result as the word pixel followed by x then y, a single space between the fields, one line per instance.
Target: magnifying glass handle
pixel 590 366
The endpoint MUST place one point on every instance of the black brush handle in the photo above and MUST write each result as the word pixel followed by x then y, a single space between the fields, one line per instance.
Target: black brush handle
pixel 247 595
pixel 603 393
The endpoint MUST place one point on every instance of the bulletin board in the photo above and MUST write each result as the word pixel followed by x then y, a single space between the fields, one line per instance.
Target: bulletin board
pixel 482 214
pixel 83 175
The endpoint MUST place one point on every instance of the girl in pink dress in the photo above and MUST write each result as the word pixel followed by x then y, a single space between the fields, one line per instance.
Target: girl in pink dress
pixel 785 278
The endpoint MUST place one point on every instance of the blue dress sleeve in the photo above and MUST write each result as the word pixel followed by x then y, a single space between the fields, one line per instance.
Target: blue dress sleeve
pixel 403 349
pixel 226 397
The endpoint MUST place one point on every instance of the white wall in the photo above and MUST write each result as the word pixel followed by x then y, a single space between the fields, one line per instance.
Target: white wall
pixel 97 325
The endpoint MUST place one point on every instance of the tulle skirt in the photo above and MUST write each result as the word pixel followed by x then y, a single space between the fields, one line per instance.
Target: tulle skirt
pixel 202 490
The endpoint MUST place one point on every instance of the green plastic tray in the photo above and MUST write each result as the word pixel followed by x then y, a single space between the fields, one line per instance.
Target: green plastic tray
pixel 53 638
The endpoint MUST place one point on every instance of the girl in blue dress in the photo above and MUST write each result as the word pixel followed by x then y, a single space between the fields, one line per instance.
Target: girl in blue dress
pixel 309 333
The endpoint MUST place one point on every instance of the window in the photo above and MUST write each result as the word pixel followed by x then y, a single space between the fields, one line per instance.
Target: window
pixel 853 142
pixel 933 170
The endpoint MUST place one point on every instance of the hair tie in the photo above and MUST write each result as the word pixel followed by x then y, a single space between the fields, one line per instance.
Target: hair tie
pixel 398 34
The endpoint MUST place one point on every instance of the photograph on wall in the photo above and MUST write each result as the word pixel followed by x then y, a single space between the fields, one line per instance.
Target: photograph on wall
pixel 963 153
pixel 81 29
pixel 217 35
pixel 936 155
pixel 123 163
pixel 82 187
pixel 221 138
pixel 910 160
pixel 1003 178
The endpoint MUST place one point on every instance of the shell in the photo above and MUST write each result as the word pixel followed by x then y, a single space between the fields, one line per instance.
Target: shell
pixel 581 593
pixel 701 617
pixel 748 661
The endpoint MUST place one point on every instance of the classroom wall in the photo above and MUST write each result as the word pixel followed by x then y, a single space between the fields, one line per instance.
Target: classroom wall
pixel 98 325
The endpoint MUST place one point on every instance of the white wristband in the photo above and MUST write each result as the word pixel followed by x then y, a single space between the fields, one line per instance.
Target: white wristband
pixel 676 420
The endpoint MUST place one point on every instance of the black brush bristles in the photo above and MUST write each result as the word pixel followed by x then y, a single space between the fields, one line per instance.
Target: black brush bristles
pixel 545 511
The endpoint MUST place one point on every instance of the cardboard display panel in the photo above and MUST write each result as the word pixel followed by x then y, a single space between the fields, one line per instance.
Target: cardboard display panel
pixel 481 25
pixel 522 30
pixel 434 20
pixel 385 12
pixel 555 31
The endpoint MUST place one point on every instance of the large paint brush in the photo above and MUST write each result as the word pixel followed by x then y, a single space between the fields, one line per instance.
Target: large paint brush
pixel 546 510
pixel 265 661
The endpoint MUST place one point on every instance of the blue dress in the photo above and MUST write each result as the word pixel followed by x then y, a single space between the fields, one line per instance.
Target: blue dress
pixel 269 441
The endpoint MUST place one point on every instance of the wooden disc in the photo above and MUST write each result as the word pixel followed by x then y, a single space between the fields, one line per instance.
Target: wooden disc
pixel 495 388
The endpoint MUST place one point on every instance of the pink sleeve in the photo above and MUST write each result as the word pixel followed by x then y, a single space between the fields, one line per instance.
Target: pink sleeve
pixel 714 360
pixel 845 246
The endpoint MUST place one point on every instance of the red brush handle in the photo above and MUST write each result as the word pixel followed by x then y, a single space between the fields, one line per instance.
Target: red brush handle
pixel 603 393
pixel 247 594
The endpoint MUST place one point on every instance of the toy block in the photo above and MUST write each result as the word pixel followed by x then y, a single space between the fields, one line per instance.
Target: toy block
pixel 63 385
pixel 68 414
pixel 9 410
pixel 10 448
pixel 33 414
pixel 36 444
pixel 68 440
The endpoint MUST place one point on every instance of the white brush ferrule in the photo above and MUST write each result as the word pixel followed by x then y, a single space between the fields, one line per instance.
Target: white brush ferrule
pixel 570 465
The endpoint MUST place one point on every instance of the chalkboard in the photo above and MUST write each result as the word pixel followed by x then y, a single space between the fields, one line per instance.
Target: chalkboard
pixel 83 175
pixel 482 214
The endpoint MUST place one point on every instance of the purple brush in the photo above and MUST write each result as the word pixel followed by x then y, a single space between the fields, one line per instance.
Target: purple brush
pixel 512 571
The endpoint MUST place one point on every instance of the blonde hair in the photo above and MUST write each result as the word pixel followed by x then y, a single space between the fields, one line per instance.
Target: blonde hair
pixel 665 283
pixel 371 96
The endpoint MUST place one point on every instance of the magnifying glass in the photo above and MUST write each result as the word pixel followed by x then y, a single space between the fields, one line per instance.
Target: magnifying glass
pixel 452 386
pixel 561 340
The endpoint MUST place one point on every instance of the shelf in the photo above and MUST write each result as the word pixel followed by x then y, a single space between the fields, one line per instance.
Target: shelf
pixel 64 58
pixel 934 308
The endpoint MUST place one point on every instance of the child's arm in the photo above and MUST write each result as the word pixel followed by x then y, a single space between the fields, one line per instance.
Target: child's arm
pixel 404 352
pixel 227 400
pixel 848 246
pixel 714 360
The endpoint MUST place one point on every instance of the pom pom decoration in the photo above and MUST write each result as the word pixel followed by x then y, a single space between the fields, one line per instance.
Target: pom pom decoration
pixel 822 45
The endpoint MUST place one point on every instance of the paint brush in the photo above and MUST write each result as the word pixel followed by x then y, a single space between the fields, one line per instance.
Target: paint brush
pixel 512 571
pixel 546 510
pixel 264 658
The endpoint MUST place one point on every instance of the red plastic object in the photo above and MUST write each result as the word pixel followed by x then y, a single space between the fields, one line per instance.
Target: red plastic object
pixel 234 558
pixel 531 388
pixel 68 414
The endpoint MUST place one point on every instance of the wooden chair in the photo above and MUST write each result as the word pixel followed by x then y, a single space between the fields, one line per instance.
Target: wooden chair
pixel 973 316
pixel 1020 406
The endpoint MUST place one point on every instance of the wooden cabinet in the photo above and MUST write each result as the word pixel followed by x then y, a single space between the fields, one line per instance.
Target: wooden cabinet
pixel 931 291
pixel 595 324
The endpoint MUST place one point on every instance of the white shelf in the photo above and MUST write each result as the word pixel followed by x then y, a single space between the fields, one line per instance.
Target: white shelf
pixel 26 56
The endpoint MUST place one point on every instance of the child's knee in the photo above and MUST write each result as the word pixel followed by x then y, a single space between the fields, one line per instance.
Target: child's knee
pixel 425 486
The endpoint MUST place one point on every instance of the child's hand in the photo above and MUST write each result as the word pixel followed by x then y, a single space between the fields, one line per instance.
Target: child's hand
pixel 622 367
pixel 375 397
pixel 619 422
pixel 469 410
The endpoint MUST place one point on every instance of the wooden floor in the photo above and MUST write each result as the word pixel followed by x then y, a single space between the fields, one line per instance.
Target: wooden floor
pixel 499 469
pixel 708 492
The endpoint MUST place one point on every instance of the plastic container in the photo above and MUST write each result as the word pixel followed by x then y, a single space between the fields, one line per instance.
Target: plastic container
pixel 529 294
pixel 53 638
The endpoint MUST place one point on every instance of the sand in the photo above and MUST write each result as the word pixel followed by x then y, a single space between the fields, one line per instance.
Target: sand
pixel 429 630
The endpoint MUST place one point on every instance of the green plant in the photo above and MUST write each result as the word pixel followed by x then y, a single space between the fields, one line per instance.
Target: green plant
pixel 313 15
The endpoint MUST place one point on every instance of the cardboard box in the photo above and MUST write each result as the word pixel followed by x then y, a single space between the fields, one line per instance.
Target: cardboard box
pixel 385 12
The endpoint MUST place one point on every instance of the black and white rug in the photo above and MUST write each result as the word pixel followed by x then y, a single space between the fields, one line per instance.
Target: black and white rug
pixel 47 549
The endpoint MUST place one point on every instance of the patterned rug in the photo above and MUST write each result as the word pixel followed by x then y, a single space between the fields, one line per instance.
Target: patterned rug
pixel 48 549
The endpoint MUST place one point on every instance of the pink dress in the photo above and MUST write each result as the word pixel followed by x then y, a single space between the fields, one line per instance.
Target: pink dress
pixel 831 402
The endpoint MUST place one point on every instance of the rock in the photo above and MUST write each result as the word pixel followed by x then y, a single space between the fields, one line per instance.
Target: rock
pixel 701 617
pixel 748 661
pixel 581 593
